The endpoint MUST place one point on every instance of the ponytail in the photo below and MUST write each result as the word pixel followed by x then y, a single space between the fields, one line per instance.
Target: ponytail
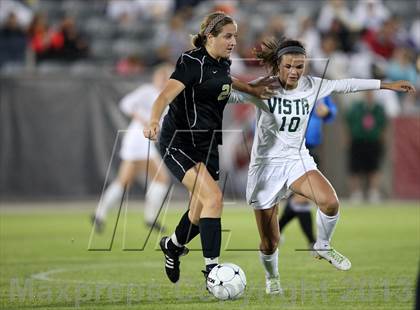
pixel 272 51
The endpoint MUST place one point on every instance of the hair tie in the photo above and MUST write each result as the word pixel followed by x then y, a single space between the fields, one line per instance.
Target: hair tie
pixel 213 23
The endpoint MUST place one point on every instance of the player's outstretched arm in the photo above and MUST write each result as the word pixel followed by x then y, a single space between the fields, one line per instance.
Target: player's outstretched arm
pixel 400 86
pixel 259 88
pixel 173 88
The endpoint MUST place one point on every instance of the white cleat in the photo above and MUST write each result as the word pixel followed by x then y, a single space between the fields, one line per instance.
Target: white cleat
pixel 334 257
pixel 272 286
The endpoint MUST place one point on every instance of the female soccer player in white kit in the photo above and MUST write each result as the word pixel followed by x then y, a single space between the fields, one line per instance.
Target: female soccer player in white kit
pixel 134 154
pixel 279 159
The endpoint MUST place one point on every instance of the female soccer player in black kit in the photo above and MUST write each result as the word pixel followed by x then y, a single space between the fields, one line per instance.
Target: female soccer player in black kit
pixel 197 92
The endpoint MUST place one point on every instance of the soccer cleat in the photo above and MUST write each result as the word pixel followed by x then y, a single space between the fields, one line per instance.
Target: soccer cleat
pixel 272 286
pixel 334 257
pixel 97 223
pixel 206 275
pixel 172 259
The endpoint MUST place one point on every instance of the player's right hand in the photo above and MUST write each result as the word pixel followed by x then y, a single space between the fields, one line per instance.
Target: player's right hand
pixel 152 131
pixel 263 87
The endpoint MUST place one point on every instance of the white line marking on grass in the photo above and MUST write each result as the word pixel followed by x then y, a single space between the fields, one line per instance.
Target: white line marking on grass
pixel 46 275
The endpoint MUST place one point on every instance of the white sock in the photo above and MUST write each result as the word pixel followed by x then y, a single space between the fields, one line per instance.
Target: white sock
pixel 154 198
pixel 325 228
pixel 270 263
pixel 175 241
pixel 111 197
pixel 211 261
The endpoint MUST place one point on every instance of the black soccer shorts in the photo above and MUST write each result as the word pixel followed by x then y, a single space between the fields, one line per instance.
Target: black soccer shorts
pixel 181 159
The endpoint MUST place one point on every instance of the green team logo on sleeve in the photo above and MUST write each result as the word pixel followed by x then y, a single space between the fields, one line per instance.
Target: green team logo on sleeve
pixel 286 107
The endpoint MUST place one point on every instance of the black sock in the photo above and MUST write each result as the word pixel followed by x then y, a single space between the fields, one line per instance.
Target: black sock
pixel 287 216
pixel 184 232
pixel 211 236
pixel 305 220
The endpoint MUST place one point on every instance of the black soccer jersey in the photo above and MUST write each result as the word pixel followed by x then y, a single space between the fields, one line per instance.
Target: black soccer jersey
pixel 198 109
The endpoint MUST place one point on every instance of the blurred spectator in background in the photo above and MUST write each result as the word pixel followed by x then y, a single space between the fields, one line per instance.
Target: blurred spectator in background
pixel 12 41
pixel 62 44
pixel 401 66
pixel 172 40
pixel 156 10
pixel 40 37
pixel 335 17
pixel 185 5
pixel 130 65
pixel 276 27
pixel 67 43
pixel 382 42
pixel 329 55
pixel 370 14
pixel 123 11
pixel 131 11
pixel 415 34
pixel 390 102
pixel 23 13
pixel 308 34
pixel 366 123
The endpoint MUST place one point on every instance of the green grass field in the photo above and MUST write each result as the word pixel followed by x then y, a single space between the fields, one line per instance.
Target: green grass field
pixel 45 262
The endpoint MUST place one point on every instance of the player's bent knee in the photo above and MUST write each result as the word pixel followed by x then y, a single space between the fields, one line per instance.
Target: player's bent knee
pixel 331 206
pixel 268 248
pixel 269 245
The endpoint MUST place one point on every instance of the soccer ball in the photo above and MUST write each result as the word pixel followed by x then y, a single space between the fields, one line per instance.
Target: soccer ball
pixel 226 281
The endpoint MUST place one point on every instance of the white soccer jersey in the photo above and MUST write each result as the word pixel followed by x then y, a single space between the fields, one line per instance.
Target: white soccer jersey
pixel 282 120
pixel 139 101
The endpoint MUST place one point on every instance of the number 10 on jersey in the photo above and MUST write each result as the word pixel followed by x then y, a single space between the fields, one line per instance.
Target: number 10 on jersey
pixel 293 125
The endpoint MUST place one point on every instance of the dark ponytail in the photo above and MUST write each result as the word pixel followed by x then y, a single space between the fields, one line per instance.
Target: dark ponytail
pixel 270 54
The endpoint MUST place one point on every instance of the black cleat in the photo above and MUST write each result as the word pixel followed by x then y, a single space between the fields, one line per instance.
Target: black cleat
pixel 98 224
pixel 206 274
pixel 172 259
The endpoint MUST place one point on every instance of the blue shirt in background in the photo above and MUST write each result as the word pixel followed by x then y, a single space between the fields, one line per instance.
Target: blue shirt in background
pixel 314 131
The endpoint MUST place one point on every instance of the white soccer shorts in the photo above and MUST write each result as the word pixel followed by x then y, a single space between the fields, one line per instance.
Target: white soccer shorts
pixel 135 146
pixel 268 184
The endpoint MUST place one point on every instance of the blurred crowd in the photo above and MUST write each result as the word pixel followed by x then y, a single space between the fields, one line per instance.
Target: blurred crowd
pixel 359 39
pixel 363 38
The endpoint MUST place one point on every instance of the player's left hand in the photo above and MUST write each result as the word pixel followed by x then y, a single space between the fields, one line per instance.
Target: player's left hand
pixel 401 86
